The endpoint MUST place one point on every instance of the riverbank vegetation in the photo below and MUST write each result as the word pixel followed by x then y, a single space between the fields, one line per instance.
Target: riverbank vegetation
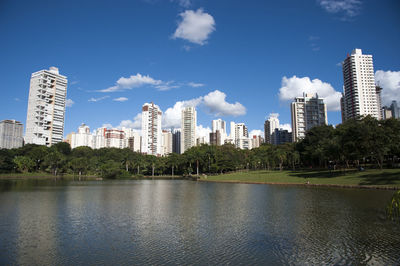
pixel 355 144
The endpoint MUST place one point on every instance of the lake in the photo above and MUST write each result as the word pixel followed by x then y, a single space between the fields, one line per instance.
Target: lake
pixel 46 222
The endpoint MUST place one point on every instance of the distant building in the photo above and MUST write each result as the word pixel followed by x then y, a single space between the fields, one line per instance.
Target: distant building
pixel 215 138
pixel 167 142
pixel 269 126
pixel 256 141
pixel 359 90
pixel 133 140
pixel 307 111
pixel 46 107
pixel 176 141
pixel 240 136
pixel 200 140
pixel 115 139
pixel 82 138
pixel 100 138
pixel 188 128
pixel 11 134
pixel 151 129
pixel 379 101
pixel 395 110
pixel 220 126
pixel 281 136
pixel 386 112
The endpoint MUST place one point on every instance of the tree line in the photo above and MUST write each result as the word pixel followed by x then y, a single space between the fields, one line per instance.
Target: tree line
pixel 354 143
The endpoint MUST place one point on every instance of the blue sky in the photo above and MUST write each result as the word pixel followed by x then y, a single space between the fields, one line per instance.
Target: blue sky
pixel 235 60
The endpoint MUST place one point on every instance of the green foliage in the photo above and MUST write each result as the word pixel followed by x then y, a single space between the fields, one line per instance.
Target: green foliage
pixel 24 163
pixel 393 208
pixel 364 142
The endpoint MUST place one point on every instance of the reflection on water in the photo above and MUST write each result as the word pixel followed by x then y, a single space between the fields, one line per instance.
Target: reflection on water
pixel 185 222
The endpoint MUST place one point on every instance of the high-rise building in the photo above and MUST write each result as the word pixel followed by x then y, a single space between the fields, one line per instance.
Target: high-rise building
pixel 46 107
pixel 133 139
pixel 188 128
pixel 11 134
pixel 176 141
pixel 151 129
pixel 220 126
pixel 307 111
pixel 166 142
pixel 100 138
pixel 215 138
pixel 281 136
pixel 115 138
pixel 82 138
pixel 359 91
pixel 378 90
pixel 395 110
pixel 240 136
pixel 269 127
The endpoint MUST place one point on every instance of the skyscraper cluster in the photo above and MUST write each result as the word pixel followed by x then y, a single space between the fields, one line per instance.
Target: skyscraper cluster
pixel 47 101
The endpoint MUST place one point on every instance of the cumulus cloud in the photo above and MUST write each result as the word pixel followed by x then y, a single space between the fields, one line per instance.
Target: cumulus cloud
pixel 390 83
pixel 120 99
pixel 98 99
pixel 135 124
pixel 195 27
pixel 346 8
pixel 134 81
pixel 256 132
pixel 287 127
pixel 172 116
pixel 216 104
pixel 202 131
pixel 69 102
pixel 294 87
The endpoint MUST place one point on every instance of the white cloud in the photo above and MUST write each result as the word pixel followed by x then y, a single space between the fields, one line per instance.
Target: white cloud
pixel 172 116
pixel 294 87
pixel 390 83
pixel 195 85
pixel 216 104
pixel 287 127
pixel 203 132
pixel 98 99
pixel 134 81
pixel 183 3
pixel 135 124
pixel 120 99
pixel 256 132
pixel 108 125
pixel 347 8
pixel 165 86
pixel 195 27
pixel 69 102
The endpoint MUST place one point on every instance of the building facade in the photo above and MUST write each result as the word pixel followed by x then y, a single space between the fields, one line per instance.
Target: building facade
pixel 151 129
pixel 11 134
pixel 82 138
pixel 306 112
pixel 176 141
pixel 167 142
pixel 46 107
pixel 359 91
pixel 188 128
pixel 269 127
pixel 220 126
pixel 281 136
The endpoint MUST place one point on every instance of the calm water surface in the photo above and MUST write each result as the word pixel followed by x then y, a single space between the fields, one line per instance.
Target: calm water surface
pixel 186 222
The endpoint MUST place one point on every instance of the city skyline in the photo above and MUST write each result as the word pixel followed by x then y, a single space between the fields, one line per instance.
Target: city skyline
pixel 239 70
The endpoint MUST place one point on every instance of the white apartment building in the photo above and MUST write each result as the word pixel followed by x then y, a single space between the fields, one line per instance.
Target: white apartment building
pixel 100 138
pixel 240 136
pixel 133 139
pixel 307 111
pixel 219 125
pixel 166 142
pixel 188 128
pixel 269 127
pixel 82 138
pixel 11 134
pixel 359 91
pixel 115 138
pixel 151 129
pixel 46 107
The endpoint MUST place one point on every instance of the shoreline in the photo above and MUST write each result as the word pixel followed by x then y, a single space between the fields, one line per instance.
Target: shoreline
pixel 376 187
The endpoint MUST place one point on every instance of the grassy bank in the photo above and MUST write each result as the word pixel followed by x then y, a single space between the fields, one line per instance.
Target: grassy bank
pixel 373 177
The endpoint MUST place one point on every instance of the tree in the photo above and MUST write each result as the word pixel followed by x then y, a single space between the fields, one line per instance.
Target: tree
pixel 24 163
pixel 79 165
pixel 55 161
pixel 110 169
